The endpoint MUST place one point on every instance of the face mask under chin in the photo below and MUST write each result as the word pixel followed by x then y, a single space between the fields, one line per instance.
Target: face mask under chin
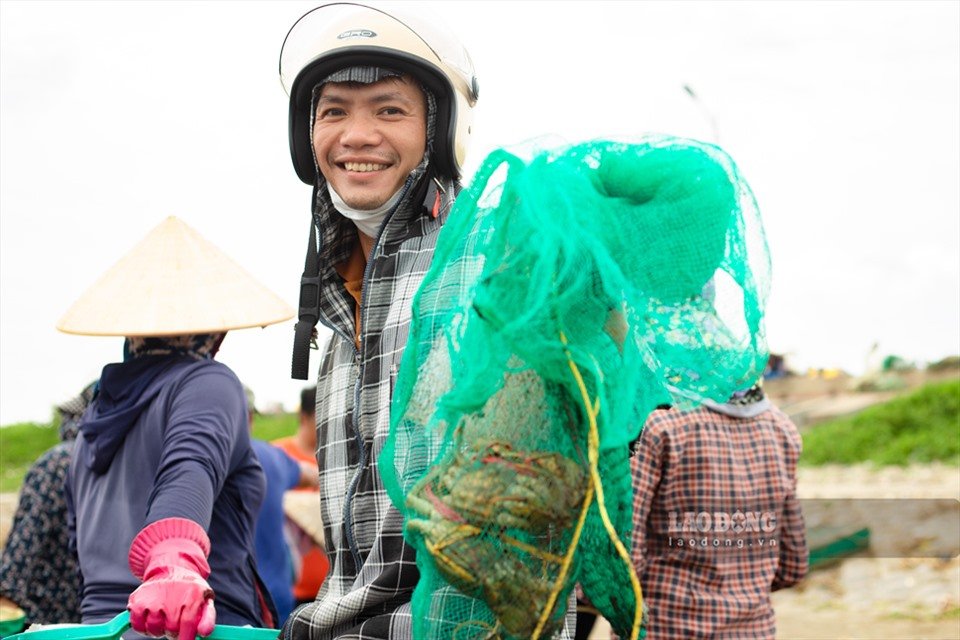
pixel 368 221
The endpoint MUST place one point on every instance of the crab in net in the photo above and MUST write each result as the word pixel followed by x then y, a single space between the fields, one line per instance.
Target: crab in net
pixel 492 519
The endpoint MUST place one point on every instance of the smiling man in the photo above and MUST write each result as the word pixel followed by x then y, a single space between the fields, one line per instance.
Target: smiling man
pixel 368 139
pixel 379 121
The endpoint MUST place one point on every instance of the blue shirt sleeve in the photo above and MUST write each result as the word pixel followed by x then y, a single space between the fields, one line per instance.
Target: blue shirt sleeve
pixel 277 464
pixel 207 432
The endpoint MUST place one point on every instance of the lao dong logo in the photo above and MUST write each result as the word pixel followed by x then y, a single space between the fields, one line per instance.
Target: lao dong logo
pixel 720 522
pixel 722 529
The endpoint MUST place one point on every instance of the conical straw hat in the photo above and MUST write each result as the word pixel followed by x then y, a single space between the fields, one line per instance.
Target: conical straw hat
pixel 174 282
pixel 303 509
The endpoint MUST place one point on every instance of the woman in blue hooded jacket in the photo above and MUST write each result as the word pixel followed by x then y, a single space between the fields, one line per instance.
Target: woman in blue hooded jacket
pixel 164 486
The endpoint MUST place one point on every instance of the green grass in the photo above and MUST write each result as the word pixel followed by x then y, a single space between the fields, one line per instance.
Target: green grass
pixel 922 426
pixel 21 444
pixel 273 426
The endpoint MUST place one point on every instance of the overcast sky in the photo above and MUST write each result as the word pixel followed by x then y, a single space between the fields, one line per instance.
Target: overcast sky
pixel 843 116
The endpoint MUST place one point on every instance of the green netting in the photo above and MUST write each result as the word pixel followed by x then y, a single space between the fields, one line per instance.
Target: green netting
pixel 570 294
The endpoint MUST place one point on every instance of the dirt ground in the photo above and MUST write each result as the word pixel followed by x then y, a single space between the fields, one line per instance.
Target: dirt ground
pixel 875 597
pixel 888 597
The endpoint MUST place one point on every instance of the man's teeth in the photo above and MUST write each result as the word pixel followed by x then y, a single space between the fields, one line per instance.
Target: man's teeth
pixel 363 166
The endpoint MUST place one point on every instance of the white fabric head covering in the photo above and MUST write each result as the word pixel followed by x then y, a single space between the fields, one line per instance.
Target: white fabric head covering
pixel 173 282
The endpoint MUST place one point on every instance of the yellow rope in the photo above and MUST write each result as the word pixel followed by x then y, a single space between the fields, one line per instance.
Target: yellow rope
pixel 565 567
pixel 593 454
pixel 546 556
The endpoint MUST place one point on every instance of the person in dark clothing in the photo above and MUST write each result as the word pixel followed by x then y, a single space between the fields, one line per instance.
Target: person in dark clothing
pixel 38 573
pixel 309 558
pixel 282 473
pixel 164 485
pixel 274 563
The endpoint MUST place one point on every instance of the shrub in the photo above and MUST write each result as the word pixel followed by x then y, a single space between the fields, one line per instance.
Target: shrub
pixel 923 426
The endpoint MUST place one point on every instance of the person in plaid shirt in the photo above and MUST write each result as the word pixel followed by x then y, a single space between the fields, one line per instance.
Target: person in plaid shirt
pixel 379 120
pixel 718 524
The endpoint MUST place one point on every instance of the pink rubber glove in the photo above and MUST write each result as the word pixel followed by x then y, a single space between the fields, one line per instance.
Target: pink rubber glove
pixel 170 557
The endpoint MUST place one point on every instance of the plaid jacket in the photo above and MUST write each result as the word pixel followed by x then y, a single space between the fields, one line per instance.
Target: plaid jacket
pixel 372 570
pixel 718 521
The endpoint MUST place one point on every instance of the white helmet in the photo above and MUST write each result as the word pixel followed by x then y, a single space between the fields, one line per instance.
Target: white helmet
pixel 345 34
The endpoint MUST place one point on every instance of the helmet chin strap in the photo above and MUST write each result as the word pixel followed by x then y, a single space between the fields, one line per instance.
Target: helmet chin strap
pixel 368 221
pixel 309 308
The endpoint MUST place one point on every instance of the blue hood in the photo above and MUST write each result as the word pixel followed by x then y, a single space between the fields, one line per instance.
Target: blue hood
pixel 126 389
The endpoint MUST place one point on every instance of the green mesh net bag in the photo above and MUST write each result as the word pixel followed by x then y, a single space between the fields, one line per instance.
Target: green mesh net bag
pixel 571 293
